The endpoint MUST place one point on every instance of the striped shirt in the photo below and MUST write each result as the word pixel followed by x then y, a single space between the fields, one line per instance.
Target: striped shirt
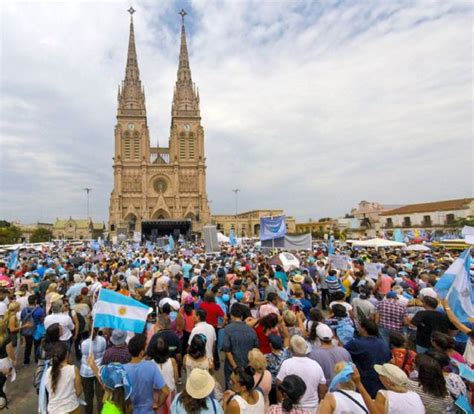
pixel 278 409
pixel 333 284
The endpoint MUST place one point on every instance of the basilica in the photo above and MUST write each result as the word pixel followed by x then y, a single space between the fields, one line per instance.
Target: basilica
pixel 158 184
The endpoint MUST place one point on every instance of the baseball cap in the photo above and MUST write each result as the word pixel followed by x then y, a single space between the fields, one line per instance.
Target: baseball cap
pixel 393 373
pixel 392 295
pixel 324 332
pixel 276 341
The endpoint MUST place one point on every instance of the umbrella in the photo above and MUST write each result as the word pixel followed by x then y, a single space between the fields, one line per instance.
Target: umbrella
pixel 418 248
pixel 286 260
pixel 377 243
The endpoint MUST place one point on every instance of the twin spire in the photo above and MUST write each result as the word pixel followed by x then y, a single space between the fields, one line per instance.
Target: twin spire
pixel 131 95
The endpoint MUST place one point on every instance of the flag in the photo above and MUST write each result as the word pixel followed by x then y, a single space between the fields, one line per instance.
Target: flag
pixel 13 262
pixel 272 227
pixel 455 284
pixel 232 239
pixel 398 236
pixel 170 246
pixel 331 249
pixel 116 311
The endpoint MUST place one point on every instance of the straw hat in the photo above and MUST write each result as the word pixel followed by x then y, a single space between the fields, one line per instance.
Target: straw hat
pixel 393 373
pixel 200 383
pixel 298 278
pixel 55 297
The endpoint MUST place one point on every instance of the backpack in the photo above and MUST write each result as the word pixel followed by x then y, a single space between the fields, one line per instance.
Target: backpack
pixel 28 318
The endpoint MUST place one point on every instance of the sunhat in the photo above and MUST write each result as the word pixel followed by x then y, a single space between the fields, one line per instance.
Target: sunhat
pixel 199 383
pixel 393 373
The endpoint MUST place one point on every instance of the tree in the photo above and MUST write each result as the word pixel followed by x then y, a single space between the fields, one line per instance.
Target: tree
pixel 41 235
pixel 465 221
pixel 9 234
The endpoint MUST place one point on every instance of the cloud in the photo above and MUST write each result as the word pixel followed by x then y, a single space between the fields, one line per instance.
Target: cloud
pixel 307 106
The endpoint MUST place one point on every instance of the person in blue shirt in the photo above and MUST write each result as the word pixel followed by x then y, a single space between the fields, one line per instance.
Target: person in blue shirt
pixel 366 351
pixel 149 390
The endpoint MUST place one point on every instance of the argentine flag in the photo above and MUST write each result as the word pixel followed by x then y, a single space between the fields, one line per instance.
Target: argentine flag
pixel 232 240
pixel 331 249
pixel 117 311
pixel 13 262
pixel 456 285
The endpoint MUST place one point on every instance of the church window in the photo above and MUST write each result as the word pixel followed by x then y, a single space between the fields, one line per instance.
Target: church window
pixel 126 148
pixel 182 146
pixel 136 148
pixel 191 146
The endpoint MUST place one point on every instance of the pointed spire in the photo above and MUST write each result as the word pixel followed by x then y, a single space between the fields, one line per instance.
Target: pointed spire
pixel 132 97
pixel 184 98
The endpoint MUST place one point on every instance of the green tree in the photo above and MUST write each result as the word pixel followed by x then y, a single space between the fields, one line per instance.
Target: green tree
pixel 465 221
pixel 41 235
pixel 9 235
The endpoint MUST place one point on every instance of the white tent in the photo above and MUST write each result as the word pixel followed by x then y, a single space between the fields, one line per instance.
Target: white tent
pixel 221 238
pixel 377 243
pixel 418 248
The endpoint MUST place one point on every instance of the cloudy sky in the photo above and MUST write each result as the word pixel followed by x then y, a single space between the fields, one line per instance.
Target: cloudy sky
pixel 307 106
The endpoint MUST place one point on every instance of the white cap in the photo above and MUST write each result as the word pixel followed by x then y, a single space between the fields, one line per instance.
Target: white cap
pixel 324 332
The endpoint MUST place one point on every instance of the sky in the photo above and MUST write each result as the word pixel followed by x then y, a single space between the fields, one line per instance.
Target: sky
pixel 307 106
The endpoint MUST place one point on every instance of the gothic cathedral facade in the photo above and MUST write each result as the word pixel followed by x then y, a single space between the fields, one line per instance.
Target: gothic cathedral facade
pixel 152 183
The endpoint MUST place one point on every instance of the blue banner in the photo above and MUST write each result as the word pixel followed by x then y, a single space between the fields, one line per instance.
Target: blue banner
pixel 272 227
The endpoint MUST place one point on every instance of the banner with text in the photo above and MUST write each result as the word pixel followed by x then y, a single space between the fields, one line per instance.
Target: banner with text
pixel 373 269
pixel 340 262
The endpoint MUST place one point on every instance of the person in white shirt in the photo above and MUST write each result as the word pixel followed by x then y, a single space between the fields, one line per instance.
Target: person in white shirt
pixel 64 320
pixel 133 281
pixel 308 370
pixel 202 327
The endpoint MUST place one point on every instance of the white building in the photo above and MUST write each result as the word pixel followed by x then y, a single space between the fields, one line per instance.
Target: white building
pixel 439 215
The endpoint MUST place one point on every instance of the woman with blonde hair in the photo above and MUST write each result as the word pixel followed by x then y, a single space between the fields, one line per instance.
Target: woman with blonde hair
pixel 262 376
pixel 14 326
pixel 52 288
pixel 343 399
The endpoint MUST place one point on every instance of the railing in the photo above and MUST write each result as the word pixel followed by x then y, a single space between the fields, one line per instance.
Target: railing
pixel 160 155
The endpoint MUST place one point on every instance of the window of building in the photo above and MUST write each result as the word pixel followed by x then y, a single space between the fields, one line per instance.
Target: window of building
pixel 182 146
pixel 450 218
pixel 136 148
pixel 127 152
pixel 427 220
pixel 192 144
pixel 389 222
pixel 407 221
pixel 219 226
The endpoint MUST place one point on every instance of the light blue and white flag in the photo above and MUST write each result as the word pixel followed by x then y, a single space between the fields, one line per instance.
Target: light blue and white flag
pixel 272 227
pixel 170 246
pixel 455 284
pixel 331 249
pixel 232 239
pixel 116 311
pixel 398 236
pixel 14 262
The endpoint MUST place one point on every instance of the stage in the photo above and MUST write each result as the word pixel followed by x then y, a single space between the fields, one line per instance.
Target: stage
pixel 154 229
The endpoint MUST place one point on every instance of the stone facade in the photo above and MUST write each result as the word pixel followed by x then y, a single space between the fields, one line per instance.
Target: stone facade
pixel 248 224
pixel 158 182
pixel 82 229
pixel 317 227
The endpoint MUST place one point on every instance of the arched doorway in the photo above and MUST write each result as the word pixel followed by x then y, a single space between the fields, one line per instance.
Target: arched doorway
pixel 160 215
pixel 256 229
pixel 131 220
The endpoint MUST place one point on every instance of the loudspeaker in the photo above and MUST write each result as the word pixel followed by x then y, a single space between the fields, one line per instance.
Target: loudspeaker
pixel 210 238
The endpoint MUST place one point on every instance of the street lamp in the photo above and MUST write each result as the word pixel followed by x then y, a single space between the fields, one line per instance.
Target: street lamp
pixel 236 192
pixel 87 190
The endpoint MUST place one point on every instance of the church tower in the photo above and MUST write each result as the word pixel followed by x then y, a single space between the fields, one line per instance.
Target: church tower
pixel 157 183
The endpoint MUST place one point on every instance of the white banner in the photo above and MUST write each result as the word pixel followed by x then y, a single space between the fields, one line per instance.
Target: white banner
pixel 137 236
pixel 373 269
pixel 340 262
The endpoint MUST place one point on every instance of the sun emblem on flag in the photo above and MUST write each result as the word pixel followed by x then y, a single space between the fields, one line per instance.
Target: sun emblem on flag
pixel 122 310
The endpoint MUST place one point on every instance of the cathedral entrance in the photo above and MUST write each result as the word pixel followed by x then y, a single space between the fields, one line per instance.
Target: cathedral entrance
pixel 154 229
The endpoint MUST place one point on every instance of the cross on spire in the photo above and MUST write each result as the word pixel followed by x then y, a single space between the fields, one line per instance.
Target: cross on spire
pixel 131 10
pixel 182 13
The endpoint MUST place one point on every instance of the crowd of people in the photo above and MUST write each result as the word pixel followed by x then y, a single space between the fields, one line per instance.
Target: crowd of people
pixel 235 332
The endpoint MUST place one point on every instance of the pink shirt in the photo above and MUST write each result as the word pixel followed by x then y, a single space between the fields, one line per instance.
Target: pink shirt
pixel 385 284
